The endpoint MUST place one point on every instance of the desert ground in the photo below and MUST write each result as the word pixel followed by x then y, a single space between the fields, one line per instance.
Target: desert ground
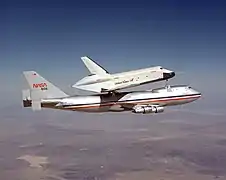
pixel 55 145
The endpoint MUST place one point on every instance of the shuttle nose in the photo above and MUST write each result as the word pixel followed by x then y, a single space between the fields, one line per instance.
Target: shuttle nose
pixel 168 75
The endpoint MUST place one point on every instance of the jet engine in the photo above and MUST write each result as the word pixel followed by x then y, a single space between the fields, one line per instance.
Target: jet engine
pixel 148 109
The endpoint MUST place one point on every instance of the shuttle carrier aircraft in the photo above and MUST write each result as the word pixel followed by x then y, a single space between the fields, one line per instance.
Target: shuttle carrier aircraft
pixel 43 94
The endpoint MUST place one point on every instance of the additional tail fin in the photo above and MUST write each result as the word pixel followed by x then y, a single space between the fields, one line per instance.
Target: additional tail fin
pixel 40 88
pixel 93 67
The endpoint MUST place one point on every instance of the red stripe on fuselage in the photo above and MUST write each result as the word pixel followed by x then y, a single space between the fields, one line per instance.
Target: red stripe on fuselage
pixel 134 102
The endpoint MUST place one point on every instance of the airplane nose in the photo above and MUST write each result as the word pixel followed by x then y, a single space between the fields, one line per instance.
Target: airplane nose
pixel 168 75
pixel 198 94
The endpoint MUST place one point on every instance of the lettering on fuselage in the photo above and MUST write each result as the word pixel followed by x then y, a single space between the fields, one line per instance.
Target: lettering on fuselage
pixel 42 86
pixel 124 81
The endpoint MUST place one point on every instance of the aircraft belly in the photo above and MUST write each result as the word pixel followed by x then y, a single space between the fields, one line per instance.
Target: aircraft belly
pixel 99 108
pixel 176 102
pixel 92 109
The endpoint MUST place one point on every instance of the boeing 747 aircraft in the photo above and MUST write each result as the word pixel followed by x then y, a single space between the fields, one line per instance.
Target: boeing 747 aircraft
pixel 43 94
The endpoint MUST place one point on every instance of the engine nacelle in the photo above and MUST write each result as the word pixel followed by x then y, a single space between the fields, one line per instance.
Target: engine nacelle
pixel 148 109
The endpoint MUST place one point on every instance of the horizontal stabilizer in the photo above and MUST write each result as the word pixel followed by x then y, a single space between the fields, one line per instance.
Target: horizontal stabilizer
pixel 36 100
pixel 26 94
pixel 93 67
pixel 36 105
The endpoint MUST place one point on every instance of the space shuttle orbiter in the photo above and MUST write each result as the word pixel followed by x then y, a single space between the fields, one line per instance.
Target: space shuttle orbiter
pixel 100 80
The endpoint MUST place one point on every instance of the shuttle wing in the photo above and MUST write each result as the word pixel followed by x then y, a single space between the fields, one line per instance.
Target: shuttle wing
pixel 95 87
pixel 93 67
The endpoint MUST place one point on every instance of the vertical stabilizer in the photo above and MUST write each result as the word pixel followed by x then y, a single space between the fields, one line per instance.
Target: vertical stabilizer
pixel 40 88
pixel 93 67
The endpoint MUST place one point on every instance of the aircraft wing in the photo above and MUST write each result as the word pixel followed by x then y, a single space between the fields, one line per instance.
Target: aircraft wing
pixel 93 67
pixel 95 87
pixel 100 87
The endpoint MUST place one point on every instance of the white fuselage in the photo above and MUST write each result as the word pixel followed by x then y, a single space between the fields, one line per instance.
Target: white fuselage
pixel 111 82
pixel 126 101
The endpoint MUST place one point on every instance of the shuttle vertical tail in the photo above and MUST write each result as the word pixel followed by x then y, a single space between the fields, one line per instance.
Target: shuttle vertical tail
pixel 93 67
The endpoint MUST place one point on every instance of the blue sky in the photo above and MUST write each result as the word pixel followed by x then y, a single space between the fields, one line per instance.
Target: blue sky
pixel 51 36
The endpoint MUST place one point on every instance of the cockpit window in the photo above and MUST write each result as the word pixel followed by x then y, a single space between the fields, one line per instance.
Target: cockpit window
pixel 161 68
